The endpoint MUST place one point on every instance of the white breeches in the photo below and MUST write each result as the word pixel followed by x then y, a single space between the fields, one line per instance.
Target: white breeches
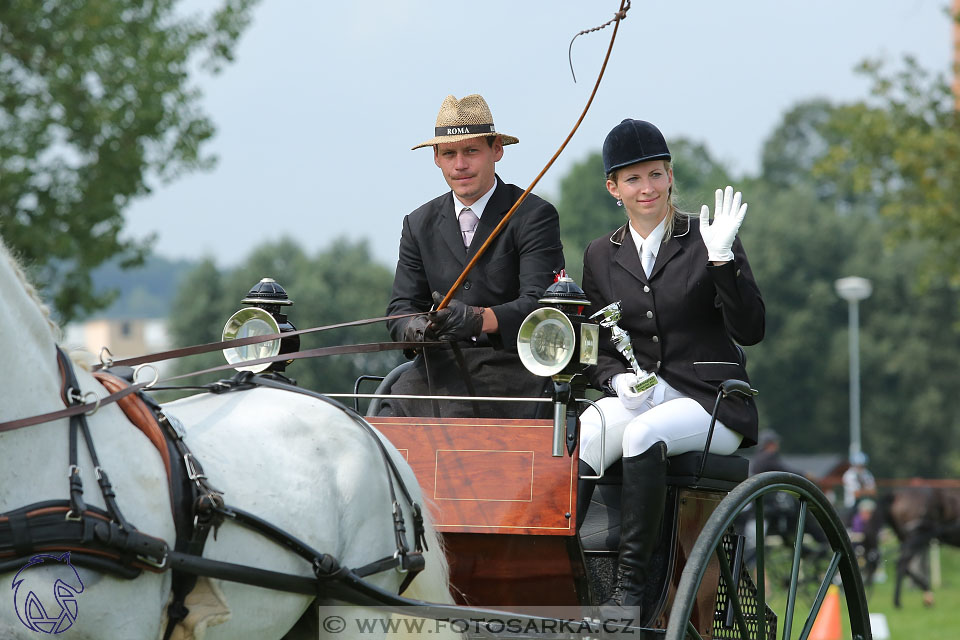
pixel 665 416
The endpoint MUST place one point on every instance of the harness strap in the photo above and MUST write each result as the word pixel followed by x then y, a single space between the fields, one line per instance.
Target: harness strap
pixel 403 560
pixel 104 541
pixel 43 526
pixel 195 502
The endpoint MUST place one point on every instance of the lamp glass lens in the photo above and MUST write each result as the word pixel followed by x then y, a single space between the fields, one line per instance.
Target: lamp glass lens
pixel 546 341
pixel 248 323
pixel 589 343
pixel 551 343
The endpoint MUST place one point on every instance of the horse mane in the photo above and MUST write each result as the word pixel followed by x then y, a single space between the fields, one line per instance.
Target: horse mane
pixel 31 290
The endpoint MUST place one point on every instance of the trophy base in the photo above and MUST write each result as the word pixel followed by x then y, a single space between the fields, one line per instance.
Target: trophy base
pixel 645 383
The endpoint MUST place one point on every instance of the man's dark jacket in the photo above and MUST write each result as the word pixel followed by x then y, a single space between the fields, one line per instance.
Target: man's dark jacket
pixel 509 278
pixel 685 320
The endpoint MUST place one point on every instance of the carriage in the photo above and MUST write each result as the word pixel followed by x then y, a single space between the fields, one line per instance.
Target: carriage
pixel 501 494
pixel 505 496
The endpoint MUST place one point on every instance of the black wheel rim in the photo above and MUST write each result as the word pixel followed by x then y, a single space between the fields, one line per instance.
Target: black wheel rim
pixel 809 575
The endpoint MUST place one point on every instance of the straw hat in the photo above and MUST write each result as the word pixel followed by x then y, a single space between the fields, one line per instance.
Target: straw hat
pixel 463 119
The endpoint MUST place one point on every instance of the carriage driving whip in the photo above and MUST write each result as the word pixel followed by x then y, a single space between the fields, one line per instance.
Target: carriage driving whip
pixel 617 17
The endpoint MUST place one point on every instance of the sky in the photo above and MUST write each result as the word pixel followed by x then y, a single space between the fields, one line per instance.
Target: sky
pixel 316 117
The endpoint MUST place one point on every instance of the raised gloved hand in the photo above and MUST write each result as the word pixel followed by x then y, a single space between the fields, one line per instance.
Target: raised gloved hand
pixel 623 383
pixel 457 321
pixel 727 218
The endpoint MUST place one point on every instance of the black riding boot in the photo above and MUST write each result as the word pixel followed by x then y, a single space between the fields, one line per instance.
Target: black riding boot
pixel 641 512
pixel 584 492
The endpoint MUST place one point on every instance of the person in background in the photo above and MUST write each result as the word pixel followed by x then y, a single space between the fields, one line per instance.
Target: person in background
pixel 858 483
pixel 483 318
pixel 768 458
pixel 688 297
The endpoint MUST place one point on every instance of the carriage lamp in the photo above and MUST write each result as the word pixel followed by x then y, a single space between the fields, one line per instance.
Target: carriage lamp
pixel 557 341
pixel 263 317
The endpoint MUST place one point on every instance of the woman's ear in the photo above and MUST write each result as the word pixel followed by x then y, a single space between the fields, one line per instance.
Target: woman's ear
pixel 612 188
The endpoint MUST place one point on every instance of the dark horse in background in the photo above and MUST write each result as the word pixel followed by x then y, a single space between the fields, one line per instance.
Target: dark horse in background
pixel 917 515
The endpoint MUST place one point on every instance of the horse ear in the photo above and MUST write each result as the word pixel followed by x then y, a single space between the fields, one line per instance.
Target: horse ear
pixel 65 557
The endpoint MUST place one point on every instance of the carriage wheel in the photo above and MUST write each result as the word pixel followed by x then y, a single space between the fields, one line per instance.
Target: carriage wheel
pixel 812 566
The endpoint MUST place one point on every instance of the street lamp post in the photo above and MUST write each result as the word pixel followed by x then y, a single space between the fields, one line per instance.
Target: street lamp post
pixel 853 289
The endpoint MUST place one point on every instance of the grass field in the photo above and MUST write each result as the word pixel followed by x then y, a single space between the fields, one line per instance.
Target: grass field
pixel 914 621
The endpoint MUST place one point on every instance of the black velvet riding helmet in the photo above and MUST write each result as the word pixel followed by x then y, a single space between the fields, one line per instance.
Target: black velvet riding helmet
pixel 633 141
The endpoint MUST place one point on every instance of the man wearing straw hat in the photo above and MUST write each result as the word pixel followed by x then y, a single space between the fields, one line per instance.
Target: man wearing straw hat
pixel 483 318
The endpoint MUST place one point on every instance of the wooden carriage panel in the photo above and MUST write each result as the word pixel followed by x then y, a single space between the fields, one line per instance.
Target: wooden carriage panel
pixel 693 509
pixel 510 571
pixel 488 475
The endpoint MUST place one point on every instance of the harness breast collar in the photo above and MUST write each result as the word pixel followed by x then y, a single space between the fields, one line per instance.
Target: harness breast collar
pixel 105 541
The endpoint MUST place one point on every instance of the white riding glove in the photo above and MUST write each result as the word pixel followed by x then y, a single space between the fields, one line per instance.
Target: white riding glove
pixel 623 384
pixel 727 218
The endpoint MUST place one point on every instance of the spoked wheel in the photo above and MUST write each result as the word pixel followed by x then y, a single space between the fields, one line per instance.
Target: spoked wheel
pixel 779 593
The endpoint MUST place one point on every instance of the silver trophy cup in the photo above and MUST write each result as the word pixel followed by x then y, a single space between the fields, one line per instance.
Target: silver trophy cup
pixel 608 317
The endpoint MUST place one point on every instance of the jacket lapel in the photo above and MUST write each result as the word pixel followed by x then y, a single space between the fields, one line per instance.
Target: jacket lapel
pixel 673 246
pixel 449 229
pixel 627 256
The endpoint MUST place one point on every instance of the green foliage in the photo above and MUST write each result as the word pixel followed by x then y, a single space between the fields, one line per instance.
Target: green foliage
pixel 798 246
pixel 697 175
pixel 586 211
pixel 902 149
pixel 340 284
pixel 94 99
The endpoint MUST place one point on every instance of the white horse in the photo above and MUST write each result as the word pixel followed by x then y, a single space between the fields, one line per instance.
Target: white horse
pixel 292 460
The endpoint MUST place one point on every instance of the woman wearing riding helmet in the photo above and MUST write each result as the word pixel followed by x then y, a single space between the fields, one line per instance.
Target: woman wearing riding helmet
pixel 687 297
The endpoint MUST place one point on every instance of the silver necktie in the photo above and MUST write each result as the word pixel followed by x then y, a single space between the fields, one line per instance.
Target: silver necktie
pixel 468 225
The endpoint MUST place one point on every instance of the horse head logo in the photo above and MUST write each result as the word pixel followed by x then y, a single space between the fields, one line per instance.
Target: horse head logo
pixel 66 587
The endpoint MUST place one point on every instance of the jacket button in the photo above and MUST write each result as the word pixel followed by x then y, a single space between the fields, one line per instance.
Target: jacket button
pixel 466 285
pixel 655 338
pixel 658 364
pixel 649 314
pixel 646 289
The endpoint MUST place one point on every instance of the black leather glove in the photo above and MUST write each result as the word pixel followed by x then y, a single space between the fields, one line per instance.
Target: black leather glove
pixel 417 329
pixel 457 321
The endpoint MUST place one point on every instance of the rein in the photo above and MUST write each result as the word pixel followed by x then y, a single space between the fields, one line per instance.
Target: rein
pixel 240 342
pixel 89 408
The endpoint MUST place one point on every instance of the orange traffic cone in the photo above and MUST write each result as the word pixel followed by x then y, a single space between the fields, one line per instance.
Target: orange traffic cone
pixel 827 624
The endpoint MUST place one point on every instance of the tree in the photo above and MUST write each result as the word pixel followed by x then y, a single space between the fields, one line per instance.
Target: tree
pixel 800 240
pixel 339 284
pixel 95 99
pixel 902 149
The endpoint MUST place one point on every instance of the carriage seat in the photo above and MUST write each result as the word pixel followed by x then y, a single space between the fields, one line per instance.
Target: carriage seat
pixel 385 385
pixel 601 528
pixel 720 473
